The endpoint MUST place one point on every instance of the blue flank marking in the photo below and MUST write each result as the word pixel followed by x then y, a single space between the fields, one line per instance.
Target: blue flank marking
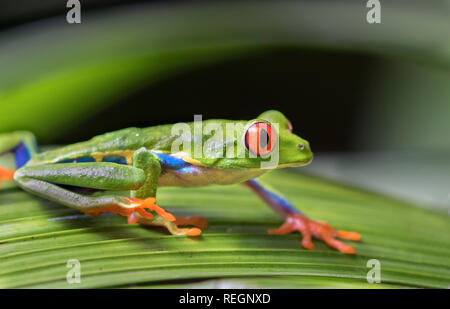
pixel 21 155
pixel 284 204
pixel 115 159
pixel 166 161
pixel 190 169
pixel 170 162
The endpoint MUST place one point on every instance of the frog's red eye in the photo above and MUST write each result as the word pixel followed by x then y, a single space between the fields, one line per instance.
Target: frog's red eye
pixel 289 125
pixel 260 138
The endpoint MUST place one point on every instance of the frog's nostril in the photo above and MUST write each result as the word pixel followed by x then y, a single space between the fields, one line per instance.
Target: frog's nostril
pixel 301 146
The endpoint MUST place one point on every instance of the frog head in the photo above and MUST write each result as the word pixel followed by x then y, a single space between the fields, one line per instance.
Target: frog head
pixel 292 149
pixel 265 142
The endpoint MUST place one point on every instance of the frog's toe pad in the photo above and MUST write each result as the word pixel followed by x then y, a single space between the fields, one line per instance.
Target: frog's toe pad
pixel 323 231
pixel 134 205
pixel 132 218
pixel 188 231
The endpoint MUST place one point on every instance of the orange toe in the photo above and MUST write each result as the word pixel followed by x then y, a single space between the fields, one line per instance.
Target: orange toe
pixel 132 219
pixel 348 250
pixel 163 213
pixel 349 235
pixel 193 232
pixel 144 213
pixel 343 247
pixel 320 230
pixel 307 244
pixel 6 174
pixel 339 245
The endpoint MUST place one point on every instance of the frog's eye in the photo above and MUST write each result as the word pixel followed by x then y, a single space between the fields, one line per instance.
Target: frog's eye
pixel 289 125
pixel 260 138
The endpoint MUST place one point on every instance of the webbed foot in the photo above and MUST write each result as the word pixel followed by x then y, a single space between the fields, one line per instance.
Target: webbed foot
pixel 131 206
pixel 172 225
pixel 320 230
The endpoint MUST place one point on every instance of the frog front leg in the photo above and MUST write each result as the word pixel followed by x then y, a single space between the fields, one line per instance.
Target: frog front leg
pixel 145 160
pixel 296 221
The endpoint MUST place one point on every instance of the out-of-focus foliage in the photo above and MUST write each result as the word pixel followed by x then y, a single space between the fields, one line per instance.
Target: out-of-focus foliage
pixel 57 73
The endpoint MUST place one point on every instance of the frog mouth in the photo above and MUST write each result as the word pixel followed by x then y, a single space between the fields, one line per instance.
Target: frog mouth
pixel 290 164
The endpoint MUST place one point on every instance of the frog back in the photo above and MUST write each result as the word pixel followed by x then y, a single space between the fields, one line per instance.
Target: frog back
pixel 118 146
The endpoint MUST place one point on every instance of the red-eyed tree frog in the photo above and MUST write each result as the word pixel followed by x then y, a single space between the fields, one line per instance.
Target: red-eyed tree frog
pixel 120 172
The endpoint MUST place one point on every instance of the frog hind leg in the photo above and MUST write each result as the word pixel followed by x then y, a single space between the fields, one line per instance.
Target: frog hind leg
pixel 149 162
pixel 22 144
pixel 47 181
pixel 295 221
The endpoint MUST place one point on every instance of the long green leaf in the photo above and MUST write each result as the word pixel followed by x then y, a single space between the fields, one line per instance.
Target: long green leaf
pixel 38 238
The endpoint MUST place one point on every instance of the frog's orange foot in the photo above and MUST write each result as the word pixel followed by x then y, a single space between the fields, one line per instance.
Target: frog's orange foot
pixel 134 205
pixel 323 231
pixel 148 203
pixel 200 222
pixel 6 174
pixel 188 231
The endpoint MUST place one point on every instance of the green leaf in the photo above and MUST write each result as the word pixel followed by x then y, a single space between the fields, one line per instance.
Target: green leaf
pixel 38 238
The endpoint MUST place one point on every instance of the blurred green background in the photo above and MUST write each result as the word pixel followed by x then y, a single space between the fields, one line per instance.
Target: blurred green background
pixel 346 84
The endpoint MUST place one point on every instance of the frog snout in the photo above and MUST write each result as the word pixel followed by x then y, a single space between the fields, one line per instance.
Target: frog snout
pixel 305 151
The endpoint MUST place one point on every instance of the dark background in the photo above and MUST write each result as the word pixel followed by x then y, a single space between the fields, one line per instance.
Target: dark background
pixel 327 94
pixel 328 87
